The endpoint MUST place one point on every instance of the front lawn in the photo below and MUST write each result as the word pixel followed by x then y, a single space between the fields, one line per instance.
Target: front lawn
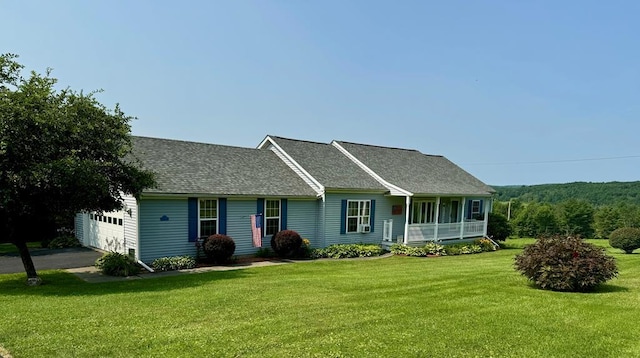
pixel 470 305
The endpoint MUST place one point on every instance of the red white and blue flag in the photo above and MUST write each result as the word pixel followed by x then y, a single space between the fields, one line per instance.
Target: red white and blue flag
pixel 256 230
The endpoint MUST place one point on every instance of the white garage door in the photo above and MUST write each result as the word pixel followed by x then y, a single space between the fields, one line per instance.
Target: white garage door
pixel 106 231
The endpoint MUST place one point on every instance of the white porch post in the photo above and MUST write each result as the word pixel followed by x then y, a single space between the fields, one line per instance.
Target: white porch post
pixel 464 202
pixel 405 239
pixel 486 218
pixel 435 231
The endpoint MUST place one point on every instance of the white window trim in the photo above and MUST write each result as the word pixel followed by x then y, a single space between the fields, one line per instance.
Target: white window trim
pixel 473 211
pixel 200 220
pixel 272 217
pixel 359 217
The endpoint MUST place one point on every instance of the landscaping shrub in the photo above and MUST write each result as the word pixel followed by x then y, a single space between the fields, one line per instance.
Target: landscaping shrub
pixel 286 243
pixel 463 249
pixel 62 242
pixel 342 251
pixel 173 263
pixel 401 249
pixel 498 227
pixel 305 250
pixel 625 238
pixel 219 248
pixel 486 245
pixel 117 264
pixel 435 249
pixel 565 264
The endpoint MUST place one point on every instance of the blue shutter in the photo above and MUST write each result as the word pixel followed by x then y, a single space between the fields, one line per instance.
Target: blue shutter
pixel 222 216
pixel 410 210
pixel 283 214
pixel 192 204
pixel 343 218
pixel 469 204
pixel 260 206
pixel 372 214
pixel 260 214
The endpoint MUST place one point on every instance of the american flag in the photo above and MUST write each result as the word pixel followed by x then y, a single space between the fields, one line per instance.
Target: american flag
pixel 256 230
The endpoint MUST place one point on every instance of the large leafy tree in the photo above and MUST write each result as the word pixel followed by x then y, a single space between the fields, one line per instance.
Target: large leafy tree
pixel 61 152
pixel 576 217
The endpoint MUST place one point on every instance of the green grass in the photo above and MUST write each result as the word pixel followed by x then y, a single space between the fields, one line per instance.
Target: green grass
pixel 462 306
pixel 11 248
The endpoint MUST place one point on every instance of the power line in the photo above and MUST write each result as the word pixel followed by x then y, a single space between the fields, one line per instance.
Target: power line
pixel 557 161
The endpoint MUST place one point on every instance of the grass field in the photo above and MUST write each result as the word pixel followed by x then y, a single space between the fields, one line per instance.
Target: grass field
pixel 462 306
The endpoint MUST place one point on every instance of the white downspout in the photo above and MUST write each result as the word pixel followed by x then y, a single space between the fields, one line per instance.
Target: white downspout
pixel 464 212
pixel 435 231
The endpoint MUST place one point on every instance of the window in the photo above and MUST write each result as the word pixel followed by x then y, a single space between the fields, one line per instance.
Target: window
pixel 271 216
pixel 424 212
pixel 208 218
pixel 358 214
pixel 476 208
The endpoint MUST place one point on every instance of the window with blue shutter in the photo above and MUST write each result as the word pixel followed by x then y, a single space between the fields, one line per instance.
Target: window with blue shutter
pixel 343 217
pixel 222 216
pixel 283 214
pixel 192 207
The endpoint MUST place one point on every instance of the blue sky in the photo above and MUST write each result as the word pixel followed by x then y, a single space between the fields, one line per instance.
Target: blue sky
pixel 515 92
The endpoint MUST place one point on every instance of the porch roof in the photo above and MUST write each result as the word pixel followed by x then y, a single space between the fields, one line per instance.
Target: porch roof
pixel 417 173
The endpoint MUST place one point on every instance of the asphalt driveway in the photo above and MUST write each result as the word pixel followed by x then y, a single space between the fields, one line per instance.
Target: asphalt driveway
pixel 45 259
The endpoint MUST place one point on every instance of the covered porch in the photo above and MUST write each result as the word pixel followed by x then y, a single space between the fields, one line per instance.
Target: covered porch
pixel 446 218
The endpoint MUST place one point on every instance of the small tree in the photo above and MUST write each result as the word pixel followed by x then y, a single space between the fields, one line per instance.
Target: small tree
pixel 498 227
pixel 61 152
pixel 625 238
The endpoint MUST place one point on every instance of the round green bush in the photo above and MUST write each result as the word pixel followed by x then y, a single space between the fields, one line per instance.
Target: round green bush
pixel 498 228
pixel 117 264
pixel 286 243
pixel 625 238
pixel 565 264
pixel 219 248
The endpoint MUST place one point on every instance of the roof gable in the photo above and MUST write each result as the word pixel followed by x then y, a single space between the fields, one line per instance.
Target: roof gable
pixel 327 165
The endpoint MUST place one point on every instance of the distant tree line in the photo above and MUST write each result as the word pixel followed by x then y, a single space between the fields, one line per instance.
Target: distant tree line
pixel 569 217
pixel 598 194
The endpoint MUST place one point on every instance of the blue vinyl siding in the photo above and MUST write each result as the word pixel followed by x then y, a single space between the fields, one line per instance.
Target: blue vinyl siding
pixel 302 218
pixel 164 238
pixel 239 225
pixel 333 218
pixel 398 220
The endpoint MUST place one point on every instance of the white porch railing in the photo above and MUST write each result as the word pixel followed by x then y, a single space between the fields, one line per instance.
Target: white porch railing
pixel 449 231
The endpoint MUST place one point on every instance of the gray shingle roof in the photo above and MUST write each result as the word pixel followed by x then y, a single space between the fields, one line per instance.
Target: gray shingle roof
pixel 417 172
pixel 327 165
pixel 198 168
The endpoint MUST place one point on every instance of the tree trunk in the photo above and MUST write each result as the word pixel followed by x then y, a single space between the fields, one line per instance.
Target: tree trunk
pixel 32 276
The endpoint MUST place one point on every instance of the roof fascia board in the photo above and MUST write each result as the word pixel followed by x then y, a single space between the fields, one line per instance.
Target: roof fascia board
pixel 394 189
pixel 228 196
pixel 319 188
pixel 449 195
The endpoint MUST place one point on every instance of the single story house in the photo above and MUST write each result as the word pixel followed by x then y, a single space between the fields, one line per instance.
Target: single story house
pixel 330 193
